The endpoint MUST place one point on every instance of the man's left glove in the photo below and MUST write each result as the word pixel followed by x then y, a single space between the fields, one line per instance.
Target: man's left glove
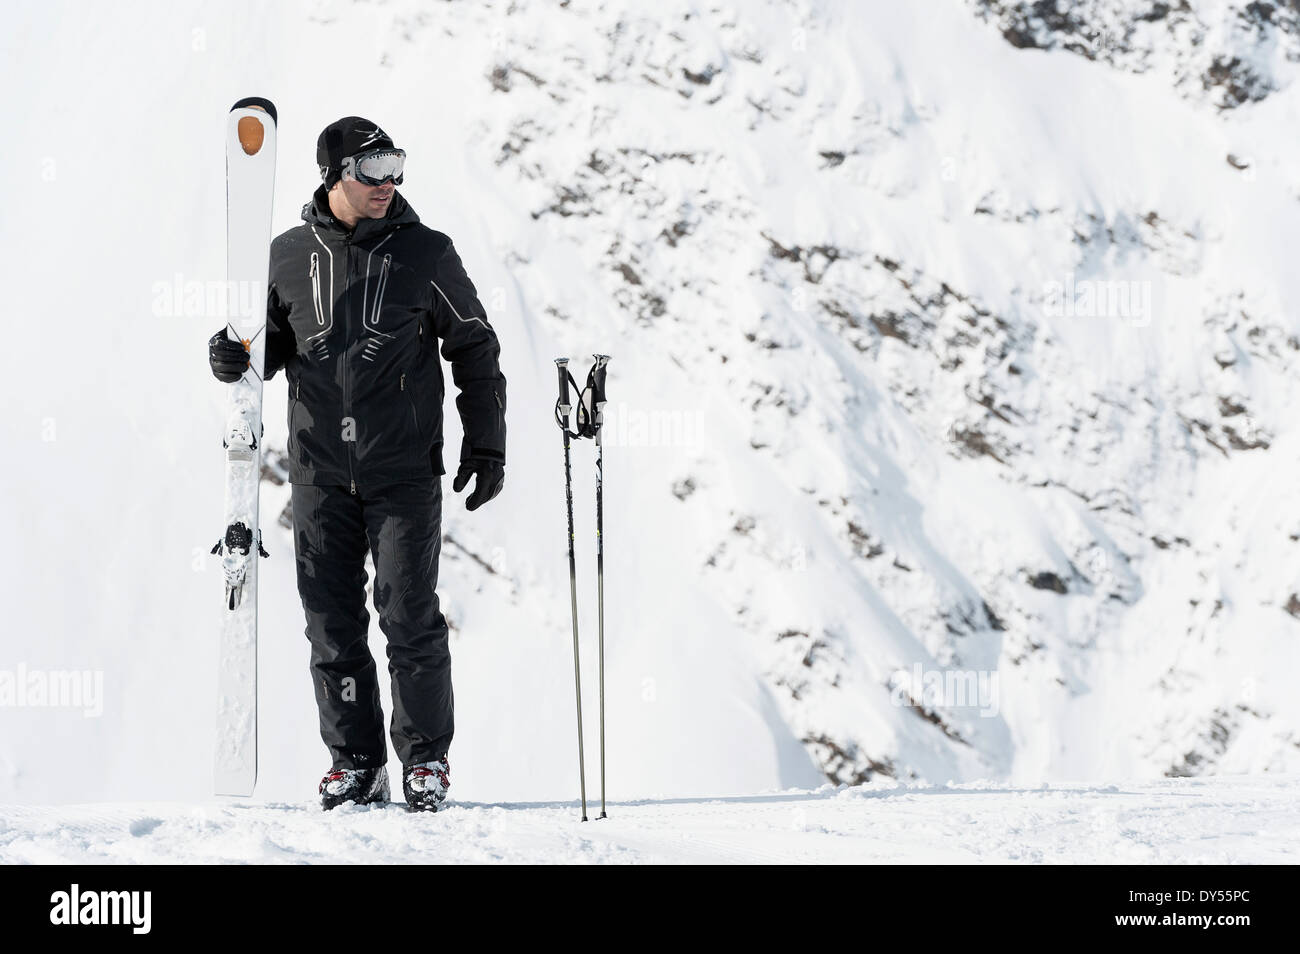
pixel 491 478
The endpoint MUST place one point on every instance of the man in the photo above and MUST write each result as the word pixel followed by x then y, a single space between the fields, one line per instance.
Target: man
pixel 358 298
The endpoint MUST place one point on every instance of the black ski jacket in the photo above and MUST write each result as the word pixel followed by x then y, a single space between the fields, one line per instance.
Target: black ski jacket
pixel 354 318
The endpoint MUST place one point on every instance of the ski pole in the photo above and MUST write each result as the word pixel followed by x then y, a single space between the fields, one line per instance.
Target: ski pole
pixel 598 418
pixel 563 407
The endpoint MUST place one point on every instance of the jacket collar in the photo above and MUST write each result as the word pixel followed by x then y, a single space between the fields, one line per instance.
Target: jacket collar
pixel 317 212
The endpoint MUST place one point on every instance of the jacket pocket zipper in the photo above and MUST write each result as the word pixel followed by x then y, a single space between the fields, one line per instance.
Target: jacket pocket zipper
pixel 379 289
pixel 415 415
pixel 294 393
pixel 314 272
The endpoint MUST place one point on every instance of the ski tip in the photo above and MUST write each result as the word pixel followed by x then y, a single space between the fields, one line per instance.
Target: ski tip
pixel 256 102
pixel 250 129
pixel 251 133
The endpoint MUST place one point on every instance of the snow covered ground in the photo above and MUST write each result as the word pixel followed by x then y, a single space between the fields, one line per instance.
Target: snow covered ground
pixel 1223 820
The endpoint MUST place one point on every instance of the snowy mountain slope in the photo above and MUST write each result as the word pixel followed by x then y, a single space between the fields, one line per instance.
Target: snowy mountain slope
pixel 1221 51
pixel 930 350
pixel 888 333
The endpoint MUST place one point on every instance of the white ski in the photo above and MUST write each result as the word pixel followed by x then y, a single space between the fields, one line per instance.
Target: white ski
pixel 250 183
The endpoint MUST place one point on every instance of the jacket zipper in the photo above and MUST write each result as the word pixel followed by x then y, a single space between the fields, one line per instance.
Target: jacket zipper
pixel 347 378
pixel 415 415
pixel 379 290
pixel 314 272
pixel 295 393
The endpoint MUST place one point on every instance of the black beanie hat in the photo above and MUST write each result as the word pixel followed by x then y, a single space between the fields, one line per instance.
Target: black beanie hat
pixel 346 137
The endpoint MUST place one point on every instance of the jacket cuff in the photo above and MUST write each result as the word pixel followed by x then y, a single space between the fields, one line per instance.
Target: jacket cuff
pixel 468 452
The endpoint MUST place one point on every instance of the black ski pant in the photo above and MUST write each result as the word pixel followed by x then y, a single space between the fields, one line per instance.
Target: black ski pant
pixel 400 524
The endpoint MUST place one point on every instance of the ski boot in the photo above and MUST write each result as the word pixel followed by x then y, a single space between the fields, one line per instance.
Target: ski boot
pixel 425 784
pixel 360 786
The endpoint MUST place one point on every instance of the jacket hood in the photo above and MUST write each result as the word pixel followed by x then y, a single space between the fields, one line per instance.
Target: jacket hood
pixel 317 212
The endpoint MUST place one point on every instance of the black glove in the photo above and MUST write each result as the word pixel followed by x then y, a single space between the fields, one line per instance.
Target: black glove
pixel 228 358
pixel 491 478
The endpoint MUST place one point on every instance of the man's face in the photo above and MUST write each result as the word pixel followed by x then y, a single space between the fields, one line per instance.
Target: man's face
pixel 368 202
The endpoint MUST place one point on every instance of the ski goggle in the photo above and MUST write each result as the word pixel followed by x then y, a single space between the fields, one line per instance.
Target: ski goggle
pixel 375 167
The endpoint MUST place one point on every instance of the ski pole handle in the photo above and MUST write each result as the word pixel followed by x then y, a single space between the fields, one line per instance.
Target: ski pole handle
pixel 562 367
pixel 598 379
pixel 598 392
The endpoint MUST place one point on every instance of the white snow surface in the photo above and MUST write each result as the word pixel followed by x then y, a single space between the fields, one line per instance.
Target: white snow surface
pixel 849 439
pixel 1222 820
